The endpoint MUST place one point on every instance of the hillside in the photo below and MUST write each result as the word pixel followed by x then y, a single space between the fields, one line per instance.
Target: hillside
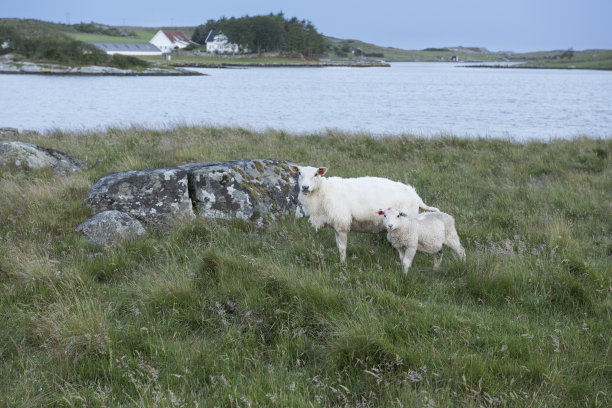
pixel 225 313
pixel 42 42
pixel 337 49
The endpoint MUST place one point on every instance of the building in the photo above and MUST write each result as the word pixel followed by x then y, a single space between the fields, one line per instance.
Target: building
pixel 127 48
pixel 218 43
pixel 168 41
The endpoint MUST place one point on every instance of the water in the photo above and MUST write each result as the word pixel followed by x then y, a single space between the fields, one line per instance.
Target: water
pixel 428 99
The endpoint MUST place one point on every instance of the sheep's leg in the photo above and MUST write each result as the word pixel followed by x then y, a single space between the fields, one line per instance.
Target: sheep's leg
pixel 341 238
pixel 408 257
pixel 437 259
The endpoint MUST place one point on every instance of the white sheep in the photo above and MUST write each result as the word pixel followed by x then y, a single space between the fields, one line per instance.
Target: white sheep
pixel 350 204
pixel 425 232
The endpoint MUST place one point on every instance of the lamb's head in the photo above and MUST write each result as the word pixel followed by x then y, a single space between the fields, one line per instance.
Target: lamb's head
pixel 392 218
pixel 309 178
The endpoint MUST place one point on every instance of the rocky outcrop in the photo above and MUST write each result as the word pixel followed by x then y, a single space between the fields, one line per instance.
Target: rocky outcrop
pixel 26 156
pixel 110 226
pixel 153 196
pixel 254 190
pixel 13 67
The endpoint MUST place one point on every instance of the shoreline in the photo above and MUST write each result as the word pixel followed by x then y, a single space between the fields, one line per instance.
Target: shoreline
pixel 278 65
pixel 31 68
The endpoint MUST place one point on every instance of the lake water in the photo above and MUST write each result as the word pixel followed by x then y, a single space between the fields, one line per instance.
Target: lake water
pixel 428 99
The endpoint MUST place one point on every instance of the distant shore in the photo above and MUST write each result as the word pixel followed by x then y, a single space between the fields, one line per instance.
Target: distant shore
pixel 279 64
pixel 31 68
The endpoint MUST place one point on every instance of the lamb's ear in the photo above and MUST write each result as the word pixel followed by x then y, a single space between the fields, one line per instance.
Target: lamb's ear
pixel 294 169
pixel 380 212
pixel 403 214
pixel 322 171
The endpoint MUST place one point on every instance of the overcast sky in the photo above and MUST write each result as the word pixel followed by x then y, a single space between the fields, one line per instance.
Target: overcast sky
pixel 507 25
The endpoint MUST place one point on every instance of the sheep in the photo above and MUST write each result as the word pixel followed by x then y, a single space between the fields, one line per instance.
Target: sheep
pixel 426 232
pixel 350 204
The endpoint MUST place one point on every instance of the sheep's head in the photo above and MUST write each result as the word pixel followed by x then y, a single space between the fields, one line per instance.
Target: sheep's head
pixel 309 178
pixel 392 218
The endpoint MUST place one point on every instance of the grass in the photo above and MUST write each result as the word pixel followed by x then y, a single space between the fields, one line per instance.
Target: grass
pixel 220 313
pixel 250 60
pixel 142 36
pixel 589 59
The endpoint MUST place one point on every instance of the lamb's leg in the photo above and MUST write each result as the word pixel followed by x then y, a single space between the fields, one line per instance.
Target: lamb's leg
pixel 341 237
pixel 437 259
pixel 401 252
pixel 453 243
pixel 408 257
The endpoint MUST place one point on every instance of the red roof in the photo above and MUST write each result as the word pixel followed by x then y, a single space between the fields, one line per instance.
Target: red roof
pixel 176 36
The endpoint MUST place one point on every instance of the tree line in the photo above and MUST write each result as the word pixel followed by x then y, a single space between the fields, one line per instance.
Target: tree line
pixel 266 33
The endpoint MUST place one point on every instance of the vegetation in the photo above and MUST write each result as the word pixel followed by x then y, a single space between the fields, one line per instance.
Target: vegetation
pixel 102 29
pixel 225 313
pixel 266 33
pixel 588 59
pixel 140 36
pixel 44 42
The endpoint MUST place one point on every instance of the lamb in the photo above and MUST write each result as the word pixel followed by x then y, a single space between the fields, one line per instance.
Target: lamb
pixel 426 232
pixel 350 204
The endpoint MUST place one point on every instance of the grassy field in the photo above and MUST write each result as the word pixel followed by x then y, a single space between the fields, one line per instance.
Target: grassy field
pixel 226 314
pixel 251 60
pixel 589 59
pixel 142 36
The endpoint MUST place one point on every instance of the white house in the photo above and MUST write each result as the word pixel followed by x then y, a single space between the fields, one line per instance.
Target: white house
pixel 217 42
pixel 168 41
pixel 127 48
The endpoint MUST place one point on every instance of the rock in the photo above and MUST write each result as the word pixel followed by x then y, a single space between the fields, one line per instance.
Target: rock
pixel 151 196
pixel 26 67
pixel 255 190
pixel 26 156
pixel 111 226
pixel 8 132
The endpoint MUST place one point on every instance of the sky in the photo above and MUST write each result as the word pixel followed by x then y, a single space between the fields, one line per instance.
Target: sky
pixel 498 25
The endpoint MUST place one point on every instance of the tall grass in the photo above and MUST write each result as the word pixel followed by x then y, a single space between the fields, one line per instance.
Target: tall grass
pixel 226 313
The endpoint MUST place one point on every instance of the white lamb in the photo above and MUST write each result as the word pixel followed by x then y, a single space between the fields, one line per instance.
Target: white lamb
pixel 350 204
pixel 426 232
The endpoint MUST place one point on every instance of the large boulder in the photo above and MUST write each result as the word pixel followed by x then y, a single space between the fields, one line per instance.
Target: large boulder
pixel 151 196
pixel 26 156
pixel 256 190
pixel 110 226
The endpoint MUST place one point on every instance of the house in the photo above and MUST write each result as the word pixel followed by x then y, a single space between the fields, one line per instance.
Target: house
pixel 168 41
pixel 127 48
pixel 218 43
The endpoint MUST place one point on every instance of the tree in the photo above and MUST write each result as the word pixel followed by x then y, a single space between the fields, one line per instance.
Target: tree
pixel 201 32
pixel 265 33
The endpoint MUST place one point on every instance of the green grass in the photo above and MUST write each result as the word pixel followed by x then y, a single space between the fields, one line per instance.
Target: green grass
pixel 221 313
pixel 251 60
pixel 589 59
pixel 142 36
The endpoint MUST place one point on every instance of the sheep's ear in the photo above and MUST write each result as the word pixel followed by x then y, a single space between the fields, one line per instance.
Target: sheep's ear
pixel 294 169
pixel 322 171
pixel 403 214
pixel 380 212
